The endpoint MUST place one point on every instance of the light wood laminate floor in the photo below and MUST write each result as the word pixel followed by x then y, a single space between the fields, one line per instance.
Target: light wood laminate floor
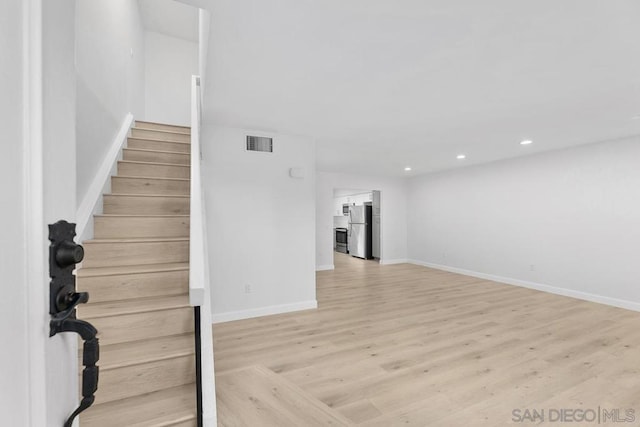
pixel 407 345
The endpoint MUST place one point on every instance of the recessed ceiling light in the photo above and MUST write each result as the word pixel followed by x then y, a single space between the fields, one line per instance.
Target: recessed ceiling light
pixel 526 142
pixel 407 169
pixel 461 157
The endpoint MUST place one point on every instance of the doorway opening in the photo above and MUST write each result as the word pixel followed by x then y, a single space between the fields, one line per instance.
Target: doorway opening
pixel 356 225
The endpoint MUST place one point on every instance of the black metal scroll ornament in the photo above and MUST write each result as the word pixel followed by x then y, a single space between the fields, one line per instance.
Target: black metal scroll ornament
pixel 64 254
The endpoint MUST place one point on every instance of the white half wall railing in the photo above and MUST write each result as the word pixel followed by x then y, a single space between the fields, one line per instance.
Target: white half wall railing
pixel 199 285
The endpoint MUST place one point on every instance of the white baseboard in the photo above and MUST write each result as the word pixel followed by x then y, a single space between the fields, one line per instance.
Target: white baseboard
pixel 325 267
pixel 263 311
pixel 90 202
pixel 393 261
pixel 615 302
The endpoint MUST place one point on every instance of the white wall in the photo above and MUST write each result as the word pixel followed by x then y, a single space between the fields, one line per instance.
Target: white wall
pixel 260 223
pixel 204 26
pixel 170 63
pixel 110 79
pixel 37 175
pixel 59 191
pixel 13 305
pixel 572 214
pixel 393 214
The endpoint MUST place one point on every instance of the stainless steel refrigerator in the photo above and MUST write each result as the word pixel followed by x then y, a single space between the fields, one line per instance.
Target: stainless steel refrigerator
pixel 360 228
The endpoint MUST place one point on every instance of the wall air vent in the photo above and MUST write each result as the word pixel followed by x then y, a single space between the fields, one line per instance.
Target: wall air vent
pixel 259 143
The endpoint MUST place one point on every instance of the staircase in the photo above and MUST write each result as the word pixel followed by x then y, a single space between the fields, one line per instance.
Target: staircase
pixel 136 270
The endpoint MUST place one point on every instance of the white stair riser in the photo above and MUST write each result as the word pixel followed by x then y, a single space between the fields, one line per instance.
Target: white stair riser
pixel 156 156
pixel 130 286
pixel 124 185
pixel 122 205
pixel 115 254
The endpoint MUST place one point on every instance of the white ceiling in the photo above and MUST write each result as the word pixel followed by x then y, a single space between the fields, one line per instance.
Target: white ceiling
pixel 386 84
pixel 171 18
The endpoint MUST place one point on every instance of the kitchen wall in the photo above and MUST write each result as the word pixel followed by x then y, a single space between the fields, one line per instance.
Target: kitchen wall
pixel 169 64
pixel 562 221
pixel 393 214
pixel 260 224
pixel 341 221
pixel 110 78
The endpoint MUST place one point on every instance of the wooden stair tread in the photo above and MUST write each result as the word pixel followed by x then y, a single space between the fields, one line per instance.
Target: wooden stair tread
pixel 153 163
pixel 152 177
pixel 138 352
pixel 129 226
pixel 164 124
pixel 147 195
pixel 137 240
pixel 123 202
pixel 134 215
pixel 157 409
pixel 153 144
pixel 150 185
pixel 160 130
pixel 142 216
pixel 131 269
pixel 146 150
pixel 124 250
pixel 138 305
pixel 158 140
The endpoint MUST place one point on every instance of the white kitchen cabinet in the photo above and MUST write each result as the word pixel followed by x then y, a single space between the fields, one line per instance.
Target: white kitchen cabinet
pixel 355 199
pixel 360 199
pixel 337 206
